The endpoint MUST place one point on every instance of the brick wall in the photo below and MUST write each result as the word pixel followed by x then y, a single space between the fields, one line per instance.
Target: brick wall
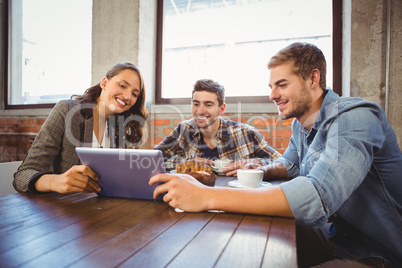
pixel 18 132
pixel 276 132
pixel 17 135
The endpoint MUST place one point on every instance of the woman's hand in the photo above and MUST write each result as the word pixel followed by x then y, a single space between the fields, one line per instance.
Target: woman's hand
pixel 77 179
pixel 182 191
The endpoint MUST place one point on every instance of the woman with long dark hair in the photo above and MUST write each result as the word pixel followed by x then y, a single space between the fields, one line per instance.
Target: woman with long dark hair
pixel 111 114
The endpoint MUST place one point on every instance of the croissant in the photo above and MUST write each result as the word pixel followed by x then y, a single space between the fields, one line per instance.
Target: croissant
pixel 200 171
pixel 192 165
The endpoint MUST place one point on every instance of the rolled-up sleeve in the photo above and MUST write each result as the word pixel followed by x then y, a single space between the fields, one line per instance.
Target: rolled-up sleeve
pixel 304 201
pixel 291 167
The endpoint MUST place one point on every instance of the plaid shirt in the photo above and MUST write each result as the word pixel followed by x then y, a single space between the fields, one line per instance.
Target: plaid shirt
pixel 235 141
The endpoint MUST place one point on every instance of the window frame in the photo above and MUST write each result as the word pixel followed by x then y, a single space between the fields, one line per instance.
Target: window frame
pixel 4 102
pixel 4 51
pixel 336 54
pixel 6 73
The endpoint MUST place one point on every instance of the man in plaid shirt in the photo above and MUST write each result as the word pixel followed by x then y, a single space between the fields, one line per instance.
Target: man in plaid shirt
pixel 207 136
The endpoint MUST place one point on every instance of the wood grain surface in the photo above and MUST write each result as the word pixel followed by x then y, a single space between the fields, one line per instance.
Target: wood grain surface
pixel 84 230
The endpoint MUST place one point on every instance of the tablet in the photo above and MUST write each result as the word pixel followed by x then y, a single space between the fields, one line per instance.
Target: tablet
pixel 124 173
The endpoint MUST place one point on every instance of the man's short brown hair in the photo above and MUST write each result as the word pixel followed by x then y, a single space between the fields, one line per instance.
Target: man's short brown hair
pixel 210 86
pixel 306 57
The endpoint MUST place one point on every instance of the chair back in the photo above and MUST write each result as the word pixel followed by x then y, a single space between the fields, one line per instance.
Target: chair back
pixel 7 170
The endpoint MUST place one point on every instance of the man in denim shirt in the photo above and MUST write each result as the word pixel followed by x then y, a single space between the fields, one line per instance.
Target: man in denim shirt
pixel 343 163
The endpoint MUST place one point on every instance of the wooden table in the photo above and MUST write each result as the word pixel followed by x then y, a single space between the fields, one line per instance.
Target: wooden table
pixel 83 230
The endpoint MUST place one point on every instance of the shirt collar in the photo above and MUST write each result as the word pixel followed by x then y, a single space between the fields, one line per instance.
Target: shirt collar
pixel 223 131
pixel 326 109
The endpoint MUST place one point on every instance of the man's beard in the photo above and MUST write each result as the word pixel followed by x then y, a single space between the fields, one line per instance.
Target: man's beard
pixel 301 106
pixel 208 123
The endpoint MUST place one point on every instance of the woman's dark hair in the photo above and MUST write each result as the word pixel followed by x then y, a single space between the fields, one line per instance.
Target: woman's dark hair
pixel 133 128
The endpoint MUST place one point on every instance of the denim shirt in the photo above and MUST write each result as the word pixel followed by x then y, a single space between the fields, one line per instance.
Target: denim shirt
pixel 348 166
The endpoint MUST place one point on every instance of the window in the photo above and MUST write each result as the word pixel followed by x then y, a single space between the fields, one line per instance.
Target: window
pixel 49 51
pixel 231 42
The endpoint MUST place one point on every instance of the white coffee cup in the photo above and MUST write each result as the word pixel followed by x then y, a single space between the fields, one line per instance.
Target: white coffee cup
pixel 250 177
pixel 219 164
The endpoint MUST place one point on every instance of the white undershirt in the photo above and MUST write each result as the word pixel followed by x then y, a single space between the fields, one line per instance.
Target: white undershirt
pixel 105 140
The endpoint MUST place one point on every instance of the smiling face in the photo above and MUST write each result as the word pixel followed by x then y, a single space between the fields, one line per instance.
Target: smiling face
pixel 206 110
pixel 120 92
pixel 290 93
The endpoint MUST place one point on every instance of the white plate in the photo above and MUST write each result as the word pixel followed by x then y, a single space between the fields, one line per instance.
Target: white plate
pixel 236 184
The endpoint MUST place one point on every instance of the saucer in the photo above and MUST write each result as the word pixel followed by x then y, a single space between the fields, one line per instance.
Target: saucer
pixel 236 184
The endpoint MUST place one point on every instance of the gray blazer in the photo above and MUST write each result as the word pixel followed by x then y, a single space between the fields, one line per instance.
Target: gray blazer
pixel 53 150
